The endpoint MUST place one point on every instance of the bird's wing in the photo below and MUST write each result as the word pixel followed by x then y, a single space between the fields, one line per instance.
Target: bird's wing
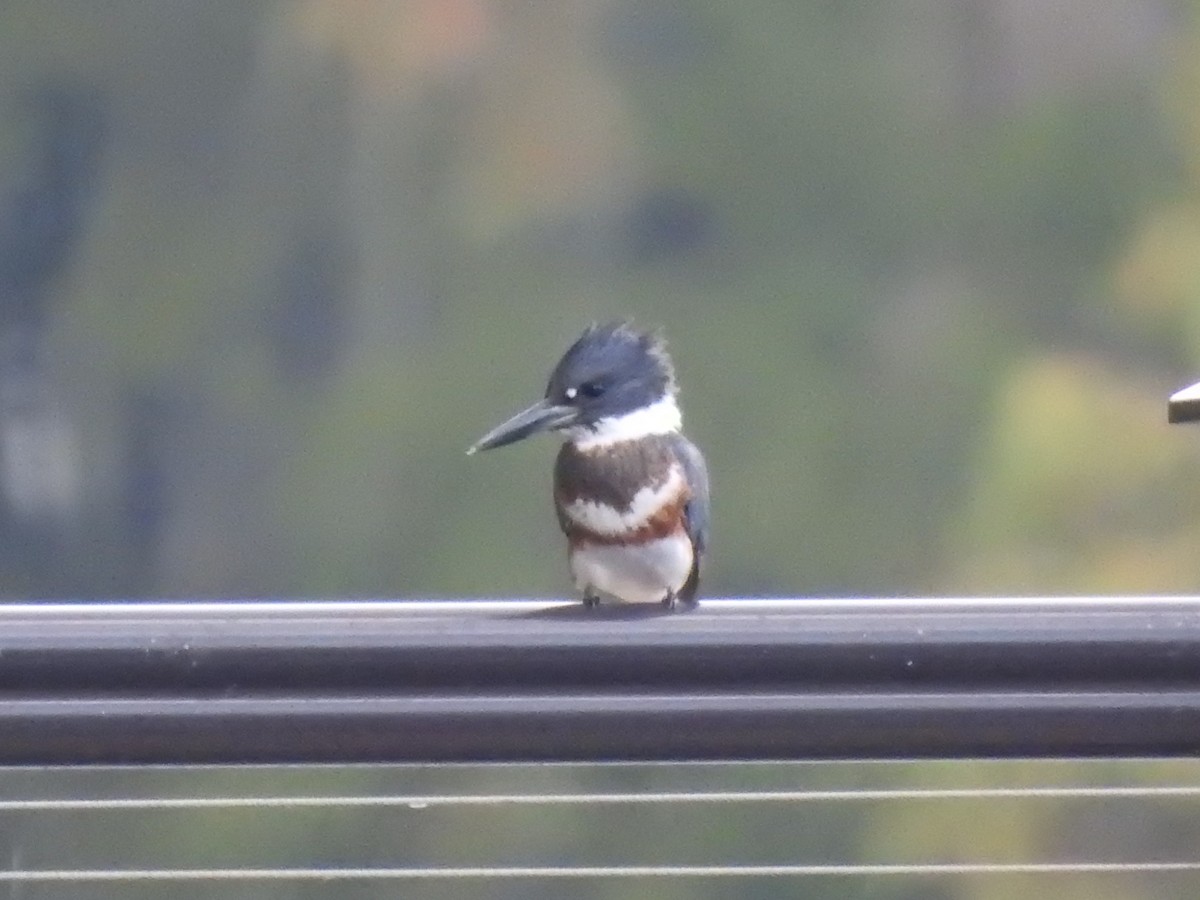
pixel 696 511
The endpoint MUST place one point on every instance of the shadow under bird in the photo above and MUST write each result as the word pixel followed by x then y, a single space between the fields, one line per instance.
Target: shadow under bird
pixel 631 492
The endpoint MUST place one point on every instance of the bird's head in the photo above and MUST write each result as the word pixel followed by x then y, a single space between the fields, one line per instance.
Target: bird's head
pixel 615 383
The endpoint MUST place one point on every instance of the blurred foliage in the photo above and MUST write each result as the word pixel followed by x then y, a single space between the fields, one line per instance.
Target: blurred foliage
pixel 919 813
pixel 925 271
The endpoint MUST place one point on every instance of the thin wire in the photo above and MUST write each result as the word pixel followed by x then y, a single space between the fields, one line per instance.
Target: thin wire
pixel 418 801
pixel 530 872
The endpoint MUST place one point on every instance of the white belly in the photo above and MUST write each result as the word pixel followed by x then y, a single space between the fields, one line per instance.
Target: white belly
pixel 642 573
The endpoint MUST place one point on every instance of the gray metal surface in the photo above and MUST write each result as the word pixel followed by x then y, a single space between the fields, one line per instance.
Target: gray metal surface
pixel 1184 405
pixel 511 680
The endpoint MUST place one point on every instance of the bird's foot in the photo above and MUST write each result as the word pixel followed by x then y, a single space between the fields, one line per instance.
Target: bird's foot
pixel 590 601
pixel 672 603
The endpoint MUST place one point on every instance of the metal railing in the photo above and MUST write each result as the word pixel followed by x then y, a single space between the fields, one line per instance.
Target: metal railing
pixel 289 682
pixel 1184 405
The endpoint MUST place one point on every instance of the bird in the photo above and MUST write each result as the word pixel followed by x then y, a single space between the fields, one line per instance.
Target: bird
pixel 630 491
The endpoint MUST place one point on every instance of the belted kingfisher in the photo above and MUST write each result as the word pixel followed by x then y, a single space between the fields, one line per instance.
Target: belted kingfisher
pixel 631 492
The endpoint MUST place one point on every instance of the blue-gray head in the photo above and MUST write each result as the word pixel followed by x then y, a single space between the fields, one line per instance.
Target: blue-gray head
pixel 614 383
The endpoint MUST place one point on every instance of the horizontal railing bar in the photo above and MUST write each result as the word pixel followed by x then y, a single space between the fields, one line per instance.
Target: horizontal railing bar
pixel 564 726
pixel 116 610
pixel 271 682
pixel 1128 643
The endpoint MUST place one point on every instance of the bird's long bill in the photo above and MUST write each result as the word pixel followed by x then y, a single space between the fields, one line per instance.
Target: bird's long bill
pixel 542 416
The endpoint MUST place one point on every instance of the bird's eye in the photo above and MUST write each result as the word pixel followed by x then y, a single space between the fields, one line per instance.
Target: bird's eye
pixel 592 389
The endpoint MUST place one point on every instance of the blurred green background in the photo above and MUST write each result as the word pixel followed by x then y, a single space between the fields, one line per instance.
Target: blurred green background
pixel 929 271
pixel 857 816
